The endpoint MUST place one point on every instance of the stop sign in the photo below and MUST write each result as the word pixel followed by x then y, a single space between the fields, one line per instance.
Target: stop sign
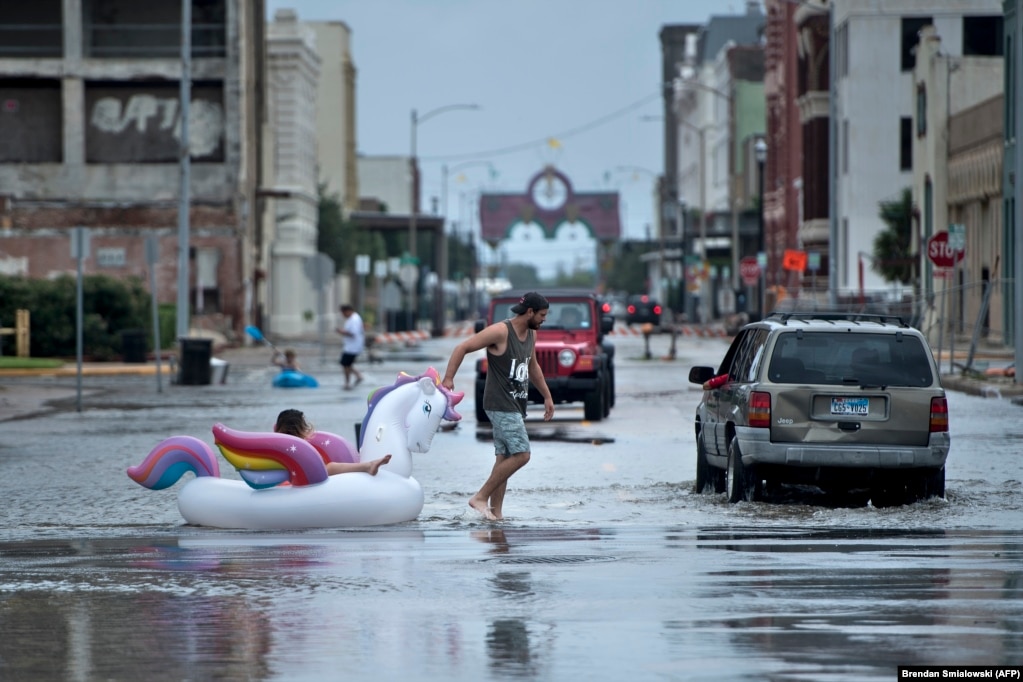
pixel 749 269
pixel 941 252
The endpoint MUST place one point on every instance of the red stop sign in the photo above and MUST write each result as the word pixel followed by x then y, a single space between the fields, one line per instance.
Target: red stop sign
pixel 749 269
pixel 940 251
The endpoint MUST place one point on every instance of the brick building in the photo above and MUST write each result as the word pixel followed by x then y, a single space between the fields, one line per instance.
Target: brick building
pixel 89 136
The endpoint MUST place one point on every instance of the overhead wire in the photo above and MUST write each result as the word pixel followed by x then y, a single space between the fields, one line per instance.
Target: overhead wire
pixel 571 132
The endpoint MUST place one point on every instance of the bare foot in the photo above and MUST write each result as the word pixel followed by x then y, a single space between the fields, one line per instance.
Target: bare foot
pixel 498 516
pixel 482 508
pixel 375 465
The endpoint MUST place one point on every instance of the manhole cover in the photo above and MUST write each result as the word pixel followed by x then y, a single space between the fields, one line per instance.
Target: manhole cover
pixel 570 559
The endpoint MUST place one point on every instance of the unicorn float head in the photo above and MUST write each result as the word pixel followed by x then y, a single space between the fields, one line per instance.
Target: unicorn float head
pixel 404 417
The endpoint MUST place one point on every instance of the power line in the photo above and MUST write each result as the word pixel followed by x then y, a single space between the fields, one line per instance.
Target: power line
pixel 571 132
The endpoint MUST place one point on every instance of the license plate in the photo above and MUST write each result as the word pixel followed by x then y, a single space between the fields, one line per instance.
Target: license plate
pixel 850 406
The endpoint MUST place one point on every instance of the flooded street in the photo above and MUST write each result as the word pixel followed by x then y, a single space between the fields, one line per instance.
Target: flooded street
pixel 607 567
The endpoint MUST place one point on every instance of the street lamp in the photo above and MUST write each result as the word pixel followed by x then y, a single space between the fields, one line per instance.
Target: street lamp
pixel 445 171
pixel 760 150
pixel 413 195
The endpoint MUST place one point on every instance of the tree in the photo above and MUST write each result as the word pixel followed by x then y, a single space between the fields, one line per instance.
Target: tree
pixel 626 272
pixel 341 239
pixel 893 259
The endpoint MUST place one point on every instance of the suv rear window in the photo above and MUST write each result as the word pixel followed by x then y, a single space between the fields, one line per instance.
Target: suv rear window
pixel 841 357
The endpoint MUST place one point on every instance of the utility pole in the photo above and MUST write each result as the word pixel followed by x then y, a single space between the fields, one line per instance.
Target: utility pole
pixel 184 168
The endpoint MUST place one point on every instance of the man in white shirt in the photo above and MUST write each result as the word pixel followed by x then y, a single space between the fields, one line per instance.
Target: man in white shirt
pixel 354 342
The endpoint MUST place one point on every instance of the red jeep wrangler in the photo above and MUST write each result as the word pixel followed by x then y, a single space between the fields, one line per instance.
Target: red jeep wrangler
pixel 577 361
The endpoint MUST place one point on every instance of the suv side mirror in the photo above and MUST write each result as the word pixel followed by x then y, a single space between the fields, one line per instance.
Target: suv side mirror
pixel 479 326
pixel 607 324
pixel 698 375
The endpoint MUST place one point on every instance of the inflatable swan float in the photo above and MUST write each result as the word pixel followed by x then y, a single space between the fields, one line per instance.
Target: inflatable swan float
pixel 284 479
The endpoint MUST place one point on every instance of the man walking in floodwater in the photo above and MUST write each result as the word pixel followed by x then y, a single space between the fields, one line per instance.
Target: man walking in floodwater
pixel 511 366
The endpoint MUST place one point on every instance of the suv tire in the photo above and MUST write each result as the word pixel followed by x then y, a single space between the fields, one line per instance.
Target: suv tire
pixel 481 415
pixel 703 473
pixel 593 403
pixel 610 387
pixel 741 482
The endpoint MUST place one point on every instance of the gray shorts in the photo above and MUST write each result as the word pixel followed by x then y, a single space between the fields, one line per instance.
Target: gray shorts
pixel 510 437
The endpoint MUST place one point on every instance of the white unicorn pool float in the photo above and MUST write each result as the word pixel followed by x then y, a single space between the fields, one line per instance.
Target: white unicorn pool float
pixel 284 479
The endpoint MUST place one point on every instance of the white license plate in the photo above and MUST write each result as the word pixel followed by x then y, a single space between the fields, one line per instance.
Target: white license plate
pixel 850 406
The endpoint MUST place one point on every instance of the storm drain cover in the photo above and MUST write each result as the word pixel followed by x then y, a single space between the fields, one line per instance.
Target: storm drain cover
pixel 569 559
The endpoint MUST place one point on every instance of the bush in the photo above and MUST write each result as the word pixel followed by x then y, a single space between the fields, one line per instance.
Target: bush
pixel 109 306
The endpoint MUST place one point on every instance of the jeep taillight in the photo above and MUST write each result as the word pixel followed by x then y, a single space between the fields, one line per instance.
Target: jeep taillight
pixel 631 309
pixel 760 409
pixel 939 415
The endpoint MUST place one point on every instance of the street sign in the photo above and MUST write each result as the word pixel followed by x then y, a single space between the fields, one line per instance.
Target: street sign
pixel 957 236
pixel 409 275
pixel 942 252
pixel 813 261
pixel 749 269
pixel 794 260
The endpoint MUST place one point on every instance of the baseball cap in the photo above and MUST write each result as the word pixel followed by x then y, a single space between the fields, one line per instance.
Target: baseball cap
pixel 531 300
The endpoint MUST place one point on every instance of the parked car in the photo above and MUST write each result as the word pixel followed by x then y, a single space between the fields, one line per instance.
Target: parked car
pixel 576 358
pixel 641 309
pixel 851 404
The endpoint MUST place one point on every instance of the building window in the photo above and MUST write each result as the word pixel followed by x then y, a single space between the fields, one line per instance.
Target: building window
pixel 128 28
pixel 842 51
pixel 921 110
pixel 911 27
pixel 982 36
pixel 905 143
pixel 1010 90
pixel 845 147
pixel 31 121
pixel 843 240
pixel 138 122
pixel 110 257
pixel 31 29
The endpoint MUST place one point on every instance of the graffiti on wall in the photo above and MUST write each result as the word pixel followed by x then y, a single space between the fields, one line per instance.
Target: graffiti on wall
pixel 144 125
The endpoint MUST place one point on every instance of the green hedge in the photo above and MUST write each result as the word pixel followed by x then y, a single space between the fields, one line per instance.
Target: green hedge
pixel 110 306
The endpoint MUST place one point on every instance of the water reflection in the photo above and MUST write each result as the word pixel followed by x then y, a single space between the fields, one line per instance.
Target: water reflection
pixel 75 636
pixel 510 647
pixel 910 597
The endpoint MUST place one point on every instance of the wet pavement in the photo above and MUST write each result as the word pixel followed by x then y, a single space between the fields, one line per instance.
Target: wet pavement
pixel 608 566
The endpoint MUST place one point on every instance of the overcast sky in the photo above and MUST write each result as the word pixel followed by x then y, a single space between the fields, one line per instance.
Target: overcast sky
pixel 583 72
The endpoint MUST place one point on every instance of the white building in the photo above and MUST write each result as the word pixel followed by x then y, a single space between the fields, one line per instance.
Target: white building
pixel 875 43
pixel 335 112
pixel 957 176
pixel 385 180
pixel 293 69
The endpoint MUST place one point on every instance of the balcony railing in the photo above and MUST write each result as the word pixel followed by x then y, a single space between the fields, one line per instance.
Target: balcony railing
pixel 31 40
pixel 110 41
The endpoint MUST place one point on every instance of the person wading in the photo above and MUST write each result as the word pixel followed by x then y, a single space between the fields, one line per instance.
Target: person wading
pixel 511 367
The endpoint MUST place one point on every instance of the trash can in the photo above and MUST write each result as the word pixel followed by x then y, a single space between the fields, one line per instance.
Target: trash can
pixel 194 368
pixel 133 345
pixel 218 370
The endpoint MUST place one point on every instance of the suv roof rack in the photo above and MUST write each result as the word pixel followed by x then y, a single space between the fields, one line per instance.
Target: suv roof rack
pixel 838 316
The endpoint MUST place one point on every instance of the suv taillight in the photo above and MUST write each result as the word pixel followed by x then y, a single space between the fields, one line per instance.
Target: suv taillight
pixel 939 415
pixel 760 410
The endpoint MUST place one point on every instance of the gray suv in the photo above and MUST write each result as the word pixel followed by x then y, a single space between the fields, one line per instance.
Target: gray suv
pixel 851 404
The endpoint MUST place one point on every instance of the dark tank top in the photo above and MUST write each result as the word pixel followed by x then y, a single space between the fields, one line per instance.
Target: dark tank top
pixel 508 374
